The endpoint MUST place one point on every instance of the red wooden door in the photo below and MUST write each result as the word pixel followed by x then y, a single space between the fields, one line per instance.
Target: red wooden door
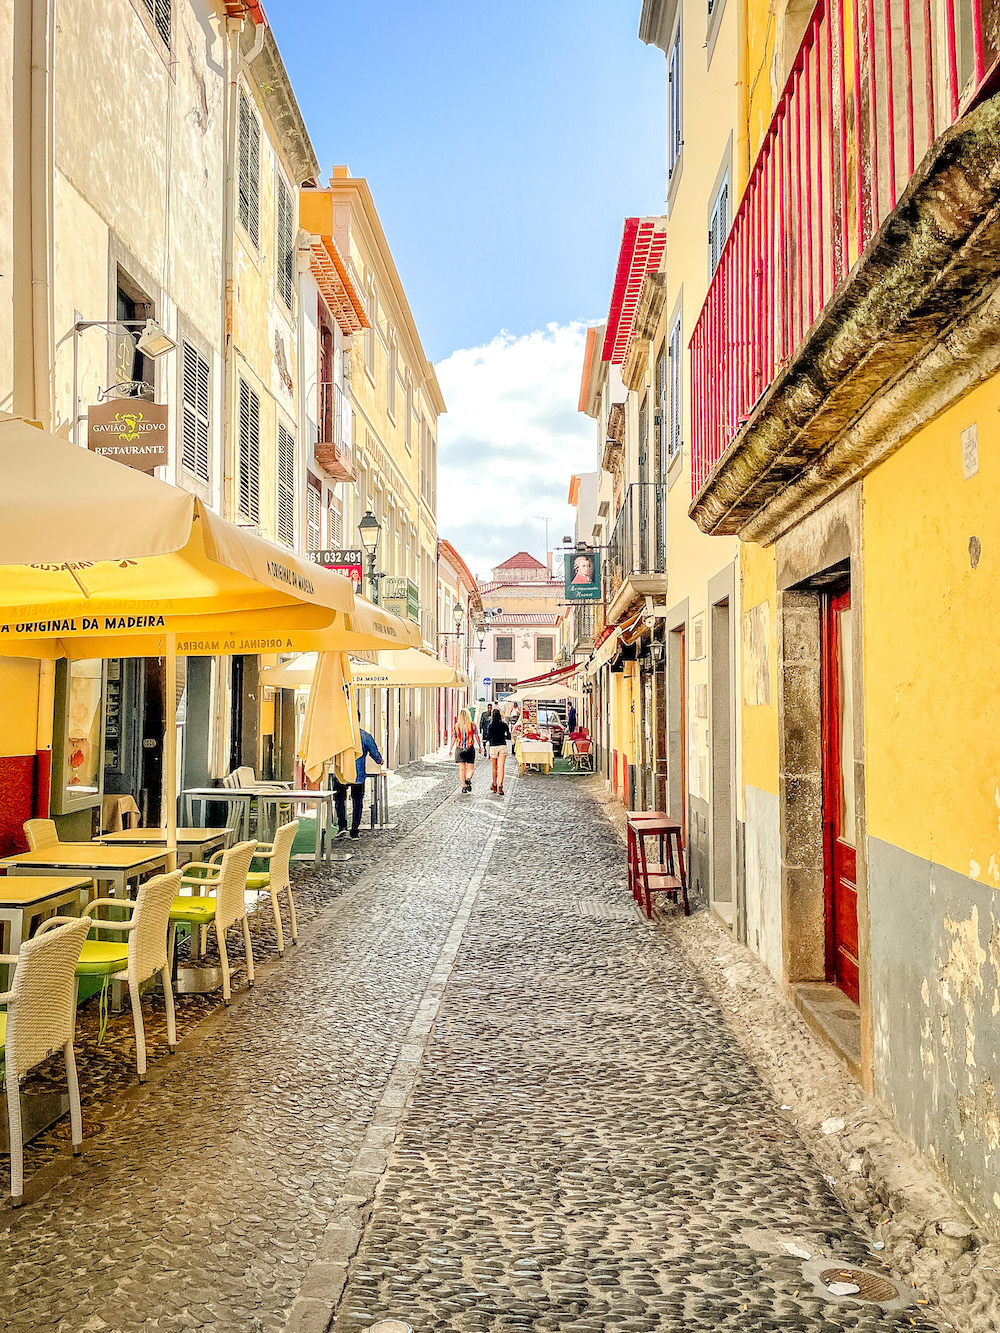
pixel 839 816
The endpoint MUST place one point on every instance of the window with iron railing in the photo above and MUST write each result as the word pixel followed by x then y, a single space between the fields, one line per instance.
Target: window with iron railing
pixel 870 89
pixel 633 547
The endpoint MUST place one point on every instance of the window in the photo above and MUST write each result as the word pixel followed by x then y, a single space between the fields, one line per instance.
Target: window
pixel 285 248
pixel 544 648
pixel 248 481
pixel 195 427
pixel 286 488
pixel 249 179
pixel 371 302
pixel 503 648
pixel 334 522
pixel 674 424
pixel 660 413
pixel 718 225
pixel 314 499
pixel 675 140
pixel 409 413
pixel 390 379
pixel 159 12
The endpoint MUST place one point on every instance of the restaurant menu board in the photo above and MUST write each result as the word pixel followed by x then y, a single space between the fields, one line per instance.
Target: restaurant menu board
pixel 529 715
pixel 83 749
pixel 113 715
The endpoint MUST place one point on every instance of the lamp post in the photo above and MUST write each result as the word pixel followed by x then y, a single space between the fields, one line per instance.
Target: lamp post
pixel 369 530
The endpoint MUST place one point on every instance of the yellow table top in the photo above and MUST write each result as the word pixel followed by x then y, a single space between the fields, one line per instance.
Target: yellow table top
pixel 152 836
pixel 24 890
pixel 85 856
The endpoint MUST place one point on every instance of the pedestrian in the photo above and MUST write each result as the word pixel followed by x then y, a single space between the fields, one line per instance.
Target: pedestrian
pixel 484 723
pixel 356 788
pixel 498 738
pixel 465 741
pixel 571 720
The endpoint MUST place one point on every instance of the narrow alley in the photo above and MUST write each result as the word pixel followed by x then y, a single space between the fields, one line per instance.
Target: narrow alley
pixel 482 1093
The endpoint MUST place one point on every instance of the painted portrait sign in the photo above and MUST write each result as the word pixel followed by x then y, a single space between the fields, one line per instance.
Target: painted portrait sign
pixel 583 575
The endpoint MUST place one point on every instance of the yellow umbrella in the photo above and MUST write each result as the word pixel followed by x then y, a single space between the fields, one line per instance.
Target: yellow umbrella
pixel 409 669
pixel 331 733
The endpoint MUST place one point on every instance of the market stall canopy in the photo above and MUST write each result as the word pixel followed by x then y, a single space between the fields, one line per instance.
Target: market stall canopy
pixel 92 549
pixel 409 669
pixel 555 691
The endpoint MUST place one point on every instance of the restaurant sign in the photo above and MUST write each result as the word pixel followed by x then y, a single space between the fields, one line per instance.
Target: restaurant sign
pixel 583 575
pixel 129 430
pixel 346 562
pixel 402 596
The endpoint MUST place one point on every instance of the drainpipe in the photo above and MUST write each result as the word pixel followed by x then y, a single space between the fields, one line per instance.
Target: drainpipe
pixel 41 160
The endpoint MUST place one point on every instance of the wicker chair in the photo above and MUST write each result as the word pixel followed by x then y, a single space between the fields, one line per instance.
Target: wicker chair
pixel 275 879
pixel 220 900
pixel 141 956
pixel 41 833
pixel 41 1019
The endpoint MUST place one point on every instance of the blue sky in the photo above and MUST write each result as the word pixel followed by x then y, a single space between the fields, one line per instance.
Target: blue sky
pixel 504 145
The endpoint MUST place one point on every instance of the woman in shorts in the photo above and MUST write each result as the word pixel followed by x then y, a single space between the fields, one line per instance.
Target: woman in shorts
pixel 497 738
pixel 464 741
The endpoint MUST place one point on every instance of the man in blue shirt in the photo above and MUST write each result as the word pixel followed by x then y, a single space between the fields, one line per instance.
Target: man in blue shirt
pixel 356 788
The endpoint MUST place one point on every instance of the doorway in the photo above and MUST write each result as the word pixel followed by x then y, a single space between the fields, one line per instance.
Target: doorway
pixel 723 765
pixel 839 811
pixel 677 726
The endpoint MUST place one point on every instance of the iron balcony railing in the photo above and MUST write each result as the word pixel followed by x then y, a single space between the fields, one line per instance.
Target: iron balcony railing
pixel 583 624
pixel 638 540
pixel 873 84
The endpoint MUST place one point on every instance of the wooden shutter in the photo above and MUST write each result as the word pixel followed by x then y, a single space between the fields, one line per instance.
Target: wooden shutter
pixel 159 12
pixel 314 498
pixel 249 454
pixel 286 487
pixel 285 266
pixel 195 428
pixel 249 183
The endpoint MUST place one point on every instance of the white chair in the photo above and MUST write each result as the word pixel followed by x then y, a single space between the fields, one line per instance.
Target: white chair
pixel 276 879
pixel 219 900
pixel 40 1020
pixel 41 833
pixel 141 956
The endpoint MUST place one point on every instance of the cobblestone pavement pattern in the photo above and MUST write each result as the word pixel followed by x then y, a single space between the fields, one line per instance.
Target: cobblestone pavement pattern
pixel 585 1145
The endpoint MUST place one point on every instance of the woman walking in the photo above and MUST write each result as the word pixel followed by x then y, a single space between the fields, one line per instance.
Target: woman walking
pixel 464 741
pixel 497 738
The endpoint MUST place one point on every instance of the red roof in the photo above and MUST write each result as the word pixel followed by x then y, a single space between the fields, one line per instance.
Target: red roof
pixel 521 561
pixel 643 242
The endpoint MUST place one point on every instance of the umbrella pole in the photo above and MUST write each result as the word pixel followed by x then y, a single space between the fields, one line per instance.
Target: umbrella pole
pixel 170 750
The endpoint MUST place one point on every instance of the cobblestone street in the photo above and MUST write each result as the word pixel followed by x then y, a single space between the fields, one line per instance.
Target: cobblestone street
pixel 483 1093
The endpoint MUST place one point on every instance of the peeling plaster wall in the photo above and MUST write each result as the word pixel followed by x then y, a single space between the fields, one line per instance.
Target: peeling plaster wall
pixel 936 977
pixel 763 878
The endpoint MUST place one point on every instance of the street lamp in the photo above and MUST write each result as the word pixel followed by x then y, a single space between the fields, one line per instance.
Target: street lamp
pixel 369 530
pixel 457 615
pixel 481 632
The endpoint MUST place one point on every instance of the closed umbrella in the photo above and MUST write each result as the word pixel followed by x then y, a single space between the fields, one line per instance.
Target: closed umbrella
pixel 331 733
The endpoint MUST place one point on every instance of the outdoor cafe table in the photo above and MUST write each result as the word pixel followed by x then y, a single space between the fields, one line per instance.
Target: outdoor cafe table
pixel 23 897
pixel 108 865
pixel 238 801
pixel 321 798
pixel 198 844
pixel 534 754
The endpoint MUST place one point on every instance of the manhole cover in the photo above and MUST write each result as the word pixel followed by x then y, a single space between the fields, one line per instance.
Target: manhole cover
pixel 870 1286
pixel 390 1326
pixel 598 909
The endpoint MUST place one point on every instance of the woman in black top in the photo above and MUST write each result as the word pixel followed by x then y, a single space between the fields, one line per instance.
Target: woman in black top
pixel 497 738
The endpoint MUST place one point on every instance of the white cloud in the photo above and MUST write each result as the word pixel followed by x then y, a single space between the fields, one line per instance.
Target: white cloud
pixel 510 442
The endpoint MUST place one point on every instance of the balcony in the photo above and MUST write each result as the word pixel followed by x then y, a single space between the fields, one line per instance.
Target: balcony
pixel 586 619
pixel 332 448
pixel 840 260
pixel 635 566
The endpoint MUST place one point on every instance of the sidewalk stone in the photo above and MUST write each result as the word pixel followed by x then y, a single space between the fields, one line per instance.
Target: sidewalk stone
pixel 519 1112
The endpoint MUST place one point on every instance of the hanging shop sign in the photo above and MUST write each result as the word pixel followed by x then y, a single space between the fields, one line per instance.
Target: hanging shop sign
pixel 583 575
pixel 129 430
pixel 346 562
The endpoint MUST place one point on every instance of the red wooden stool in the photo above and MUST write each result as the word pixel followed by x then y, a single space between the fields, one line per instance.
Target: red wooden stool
pixel 634 820
pixel 667 875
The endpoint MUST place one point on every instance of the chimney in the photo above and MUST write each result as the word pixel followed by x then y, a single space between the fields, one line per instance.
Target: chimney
pixel 548 559
pixel 339 174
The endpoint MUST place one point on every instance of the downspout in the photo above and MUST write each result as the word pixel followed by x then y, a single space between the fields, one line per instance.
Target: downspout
pixel 42 166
